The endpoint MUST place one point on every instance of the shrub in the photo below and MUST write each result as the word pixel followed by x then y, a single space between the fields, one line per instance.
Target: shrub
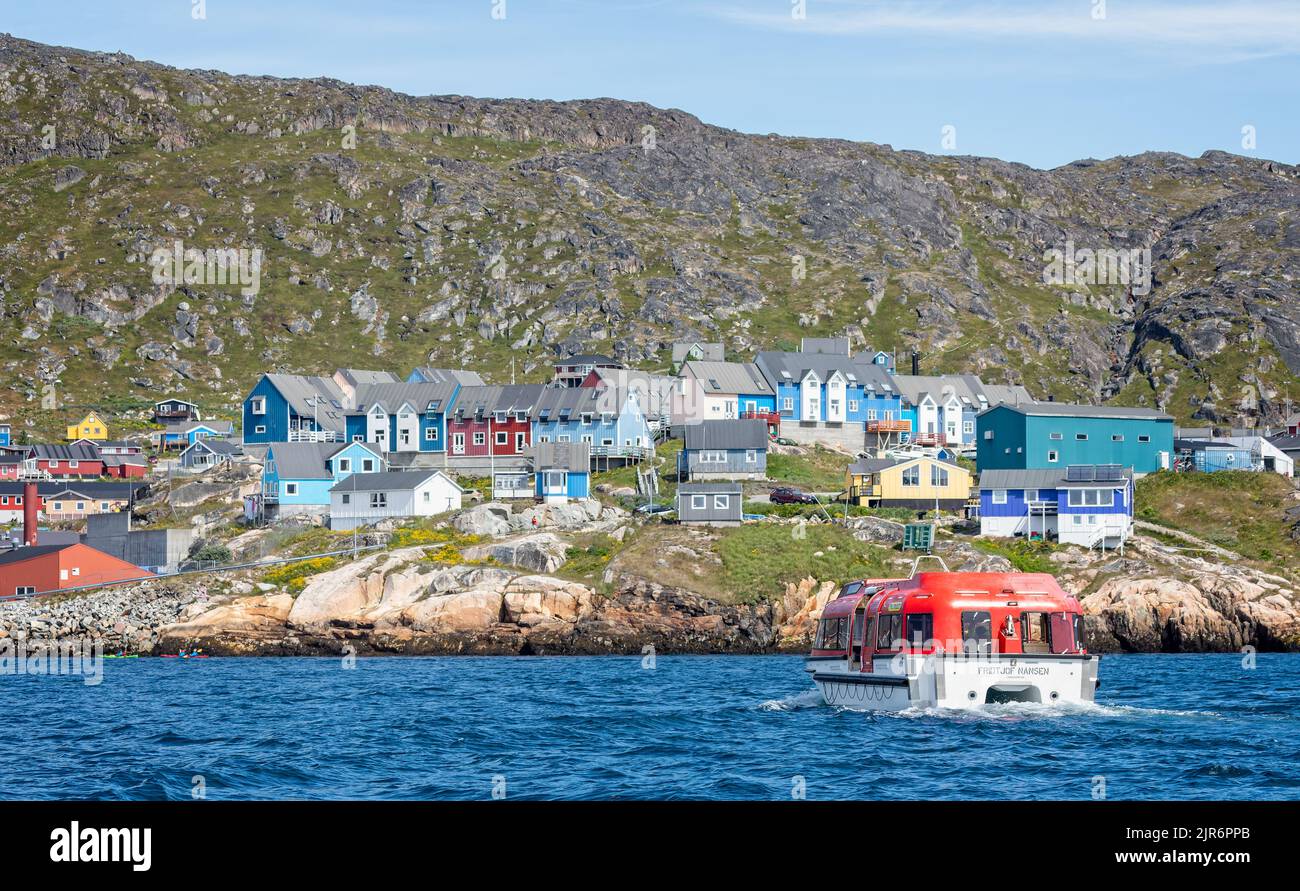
pixel 294 575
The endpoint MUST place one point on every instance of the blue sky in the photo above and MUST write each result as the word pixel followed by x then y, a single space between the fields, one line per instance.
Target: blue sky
pixel 1038 81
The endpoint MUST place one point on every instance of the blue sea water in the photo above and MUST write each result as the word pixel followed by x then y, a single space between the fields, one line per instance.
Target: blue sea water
pixel 693 727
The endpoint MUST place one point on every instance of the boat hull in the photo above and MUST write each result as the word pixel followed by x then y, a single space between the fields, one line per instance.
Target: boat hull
pixel 956 681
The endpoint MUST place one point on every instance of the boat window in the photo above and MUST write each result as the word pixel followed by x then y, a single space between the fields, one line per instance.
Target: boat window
pixel 889 631
pixel 858 619
pixel 832 634
pixel 977 631
pixel 920 629
pixel 850 588
pixel 1061 633
pixel 1080 637
pixel 1034 633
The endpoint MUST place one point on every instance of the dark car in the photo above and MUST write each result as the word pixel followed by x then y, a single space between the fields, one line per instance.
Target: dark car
pixel 786 495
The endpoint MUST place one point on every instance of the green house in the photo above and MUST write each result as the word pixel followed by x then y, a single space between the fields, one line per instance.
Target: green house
pixel 1045 435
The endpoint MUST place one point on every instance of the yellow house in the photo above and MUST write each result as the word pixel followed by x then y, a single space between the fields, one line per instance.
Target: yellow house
pixel 908 482
pixel 92 426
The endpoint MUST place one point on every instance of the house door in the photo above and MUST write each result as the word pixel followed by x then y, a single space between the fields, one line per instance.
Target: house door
pixel 404 436
pixel 458 443
pixel 521 441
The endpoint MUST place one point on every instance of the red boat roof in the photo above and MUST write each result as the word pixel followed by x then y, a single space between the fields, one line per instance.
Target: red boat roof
pixel 945 587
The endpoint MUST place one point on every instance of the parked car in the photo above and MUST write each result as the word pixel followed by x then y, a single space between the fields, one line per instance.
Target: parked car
pixel 654 509
pixel 786 495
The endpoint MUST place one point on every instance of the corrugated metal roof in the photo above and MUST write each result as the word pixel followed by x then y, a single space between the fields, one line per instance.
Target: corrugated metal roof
pixel 574 457
pixel 388 481
pixel 725 434
pixel 304 460
pixel 791 368
pixel 653 392
pixel 710 488
pixel 312 397
pixel 554 402
pixel 486 400
pixel 359 376
pixel 709 352
pixel 449 376
pixel 393 396
pixel 728 377
pixel 1069 410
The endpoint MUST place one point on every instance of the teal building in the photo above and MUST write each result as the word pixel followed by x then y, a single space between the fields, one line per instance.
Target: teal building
pixel 1046 435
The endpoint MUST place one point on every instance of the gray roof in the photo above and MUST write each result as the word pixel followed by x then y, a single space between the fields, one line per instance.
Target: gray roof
pixel 393 396
pixel 554 402
pixel 1069 410
pixel 968 389
pixel 77 451
pixel 475 400
pixel 387 481
pixel 653 392
pixel 226 427
pixel 91 489
pixel 728 377
pixel 729 434
pixel 1038 478
pixel 838 346
pixel 574 457
pixel 358 376
pixel 304 460
pixel 449 376
pixel 1286 443
pixel 875 465
pixel 311 396
pixel 216 446
pixel 719 487
pixel 791 368
pixel 709 352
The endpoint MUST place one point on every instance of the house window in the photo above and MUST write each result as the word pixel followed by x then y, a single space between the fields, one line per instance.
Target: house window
pixel 347 497
pixel 428 496
pixel 1081 437
pixel 968 427
pixel 988 435
pixel 853 407
pixel 586 418
pixel 999 496
pixel 1117 437
pixel 912 476
pixel 24 590
pixel 502 437
pixel 607 441
pixel 258 405
pixel 81 507
pixel 587 438
pixel 72 465
pixel 787 404
pixel 1055 436
pixel 1052 456
pixel 938 475
pixel 562 437
pixel 260 428
pixel 76 570
pixel 345 465
pixel 291 488
pixel 699 502
pixel 368 464
pixel 1144 439
pixel 430 434
pixel 751 456
pixel 1092 497
pixel 58 505
pixel 1031 494
pixel 480 438
pixel 378 500
pixel 721 502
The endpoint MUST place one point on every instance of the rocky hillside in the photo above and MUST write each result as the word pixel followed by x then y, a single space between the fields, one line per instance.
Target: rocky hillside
pixel 399 229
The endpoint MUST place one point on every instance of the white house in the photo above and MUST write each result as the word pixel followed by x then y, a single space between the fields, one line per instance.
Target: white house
pixel 1265 455
pixel 364 499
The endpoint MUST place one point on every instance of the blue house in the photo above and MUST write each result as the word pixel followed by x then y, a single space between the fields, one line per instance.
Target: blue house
pixel 608 420
pixel 723 450
pixel 4 435
pixel 294 408
pixel 1207 456
pixel 186 433
pixel 1089 505
pixel 561 471
pixel 297 476
pixel 826 395
pixel 402 417
pixel 1053 434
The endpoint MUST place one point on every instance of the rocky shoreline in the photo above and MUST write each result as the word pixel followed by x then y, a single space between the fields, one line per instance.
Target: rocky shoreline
pixel 401 602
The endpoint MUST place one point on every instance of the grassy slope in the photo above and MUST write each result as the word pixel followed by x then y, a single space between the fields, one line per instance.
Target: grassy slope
pixel 1238 510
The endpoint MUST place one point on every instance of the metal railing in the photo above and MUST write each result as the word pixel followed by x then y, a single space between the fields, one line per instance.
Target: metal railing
pixel 315 436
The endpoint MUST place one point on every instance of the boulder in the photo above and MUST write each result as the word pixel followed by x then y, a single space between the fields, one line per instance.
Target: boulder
pixel 490 518
pixel 543 552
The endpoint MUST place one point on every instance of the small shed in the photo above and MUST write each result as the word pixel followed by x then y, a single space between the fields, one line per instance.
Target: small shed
pixel 562 471
pixel 710 503
pixel 205 453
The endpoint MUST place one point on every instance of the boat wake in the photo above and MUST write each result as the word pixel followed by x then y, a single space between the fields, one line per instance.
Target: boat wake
pixel 1021 711
pixel 806 699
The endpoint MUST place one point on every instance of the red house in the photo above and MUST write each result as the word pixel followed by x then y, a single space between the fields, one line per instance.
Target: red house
pixel 492 421
pixel 9 466
pixel 42 568
pixel 79 459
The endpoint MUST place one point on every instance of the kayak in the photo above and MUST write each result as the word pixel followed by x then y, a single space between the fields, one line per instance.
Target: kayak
pixel 121 656
pixel 185 655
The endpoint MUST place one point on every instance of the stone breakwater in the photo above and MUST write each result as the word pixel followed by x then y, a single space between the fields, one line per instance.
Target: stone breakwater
pixel 402 602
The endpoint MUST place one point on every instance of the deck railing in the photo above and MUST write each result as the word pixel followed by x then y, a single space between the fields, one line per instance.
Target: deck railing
pixel 315 436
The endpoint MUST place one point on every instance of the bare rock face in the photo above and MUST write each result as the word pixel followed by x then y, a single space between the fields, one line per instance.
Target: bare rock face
pixel 543 552
pixel 1207 613
pixel 252 616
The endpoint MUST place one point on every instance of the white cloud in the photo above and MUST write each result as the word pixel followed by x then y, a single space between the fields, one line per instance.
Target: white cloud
pixel 1249 28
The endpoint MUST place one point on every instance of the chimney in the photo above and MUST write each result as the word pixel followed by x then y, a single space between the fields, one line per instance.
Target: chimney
pixel 31 502
pixel 916 362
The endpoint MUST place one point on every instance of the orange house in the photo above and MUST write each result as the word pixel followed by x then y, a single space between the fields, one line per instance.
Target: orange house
pixel 42 568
